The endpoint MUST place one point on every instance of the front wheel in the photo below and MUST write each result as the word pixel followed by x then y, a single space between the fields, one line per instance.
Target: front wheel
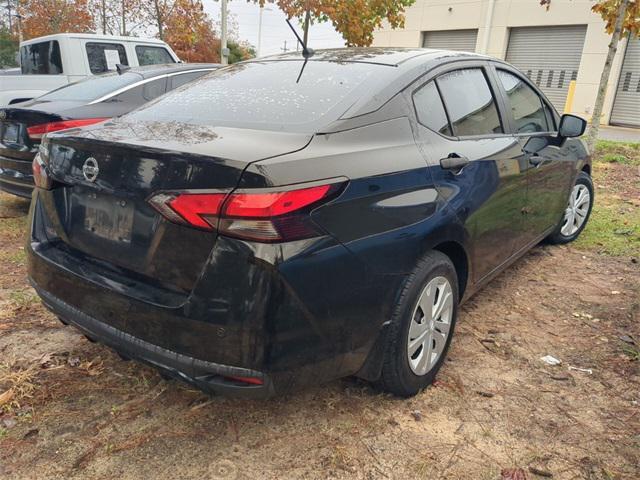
pixel 421 327
pixel 577 212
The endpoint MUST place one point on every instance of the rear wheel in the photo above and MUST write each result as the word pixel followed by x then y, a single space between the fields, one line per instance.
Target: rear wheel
pixel 421 328
pixel 577 213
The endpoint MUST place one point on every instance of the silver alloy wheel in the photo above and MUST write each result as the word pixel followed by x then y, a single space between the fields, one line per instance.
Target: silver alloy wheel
pixel 577 210
pixel 430 325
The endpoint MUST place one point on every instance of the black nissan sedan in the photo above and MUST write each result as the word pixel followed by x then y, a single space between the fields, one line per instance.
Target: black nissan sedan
pixel 281 223
pixel 86 102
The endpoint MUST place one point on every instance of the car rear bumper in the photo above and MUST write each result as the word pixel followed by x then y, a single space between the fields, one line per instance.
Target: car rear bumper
pixel 16 177
pixel 208 376
pixel 291 317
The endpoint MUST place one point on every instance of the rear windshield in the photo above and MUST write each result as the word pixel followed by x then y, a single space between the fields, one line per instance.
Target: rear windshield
pixel 41 59
pixel 92 88
pixel 263 95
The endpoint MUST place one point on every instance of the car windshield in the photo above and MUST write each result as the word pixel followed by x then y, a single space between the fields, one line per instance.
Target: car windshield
pixel 263 95
pixel 92 88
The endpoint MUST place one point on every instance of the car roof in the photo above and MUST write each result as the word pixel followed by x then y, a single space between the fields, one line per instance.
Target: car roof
pixel 390 56
pixel 397 68
pixel 150 71
pixel 93 36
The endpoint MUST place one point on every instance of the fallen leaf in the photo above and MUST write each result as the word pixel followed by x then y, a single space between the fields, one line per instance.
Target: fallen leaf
pixel 513 474
pixel 628 339
pixel 46 360
pixel 73 361
pixel 6 397
pixel 9 422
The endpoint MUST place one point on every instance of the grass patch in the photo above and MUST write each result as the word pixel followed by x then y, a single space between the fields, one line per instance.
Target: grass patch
pixel 613 229
pixel 14 256
pixel 14 226
pixel 626 153
pixel 614 225
pixel 23 298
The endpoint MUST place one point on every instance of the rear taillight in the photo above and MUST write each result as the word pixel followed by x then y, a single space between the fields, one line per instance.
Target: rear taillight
pixel 41 176
pixel 266 216
pixel 36 132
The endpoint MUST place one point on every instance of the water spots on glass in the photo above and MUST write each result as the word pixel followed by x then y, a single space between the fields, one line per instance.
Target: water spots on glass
pixel 261 95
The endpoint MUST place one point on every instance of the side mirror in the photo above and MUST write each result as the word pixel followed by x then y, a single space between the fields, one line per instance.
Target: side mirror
pixel 571 126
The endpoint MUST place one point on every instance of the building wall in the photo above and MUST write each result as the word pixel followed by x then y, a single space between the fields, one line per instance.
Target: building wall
pixel 426 15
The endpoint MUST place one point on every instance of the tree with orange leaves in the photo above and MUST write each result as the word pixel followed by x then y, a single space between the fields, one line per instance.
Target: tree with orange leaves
pixel 356 20
pixel 189 31
pixel 45 17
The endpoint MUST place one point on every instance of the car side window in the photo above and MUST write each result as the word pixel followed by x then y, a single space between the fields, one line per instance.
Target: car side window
pixel 104 57
pixel 527 106
pixel 430 110
pixel 154 88
pixel 41 59
pixel 142 93
pixel 153 55
pixel 182 78
pixel 469 102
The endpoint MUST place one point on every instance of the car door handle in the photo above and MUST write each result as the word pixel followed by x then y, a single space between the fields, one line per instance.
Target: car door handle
pixel 454 162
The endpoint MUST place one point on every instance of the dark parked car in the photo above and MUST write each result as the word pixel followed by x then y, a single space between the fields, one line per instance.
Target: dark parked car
pixel 252 233
pixel 86 102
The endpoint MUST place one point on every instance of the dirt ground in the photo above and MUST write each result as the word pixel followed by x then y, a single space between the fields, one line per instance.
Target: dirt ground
pixel 71 409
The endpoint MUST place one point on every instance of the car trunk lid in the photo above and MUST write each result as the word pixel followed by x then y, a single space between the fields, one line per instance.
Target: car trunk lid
pixel 14 139
pixel 104 177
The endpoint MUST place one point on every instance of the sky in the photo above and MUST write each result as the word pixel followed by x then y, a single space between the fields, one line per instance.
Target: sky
pixel 274 28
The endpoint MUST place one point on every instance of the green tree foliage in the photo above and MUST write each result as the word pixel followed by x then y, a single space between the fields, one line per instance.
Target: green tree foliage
pixel 8 49
pixel 239 51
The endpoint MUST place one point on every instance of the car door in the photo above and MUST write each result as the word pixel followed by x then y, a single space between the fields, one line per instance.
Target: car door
pixel 460 116
pixel 549 169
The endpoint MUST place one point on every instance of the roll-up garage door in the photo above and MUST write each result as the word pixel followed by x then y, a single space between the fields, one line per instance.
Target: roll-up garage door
pixel 550 56
pixel 463 40
pixel 626 106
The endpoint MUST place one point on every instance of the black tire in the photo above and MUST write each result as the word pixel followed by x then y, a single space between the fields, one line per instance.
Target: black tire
pixel 557 237
pixel 397 376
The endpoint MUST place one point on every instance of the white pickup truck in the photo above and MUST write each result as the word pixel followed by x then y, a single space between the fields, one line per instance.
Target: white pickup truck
pixel 50 62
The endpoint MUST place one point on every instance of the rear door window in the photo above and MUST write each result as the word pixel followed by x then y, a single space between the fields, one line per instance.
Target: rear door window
pixel 142 93
pixel 469 102
pixel 153 55
pixel 41 59
pixel 182 78
pixel 92 88
pixel 430 110
pixel 527 107
pixel 104 57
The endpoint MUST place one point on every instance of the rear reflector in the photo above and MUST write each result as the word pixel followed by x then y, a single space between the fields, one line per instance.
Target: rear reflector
pixel 36 132
pixel 41 176
pixel 249 380
pixel 265 216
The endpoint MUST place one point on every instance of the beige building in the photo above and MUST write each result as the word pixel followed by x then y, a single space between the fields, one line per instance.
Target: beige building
pixel 553 47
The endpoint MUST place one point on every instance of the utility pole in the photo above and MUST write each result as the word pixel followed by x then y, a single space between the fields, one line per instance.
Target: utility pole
pixel 307 19
pixel 224 51
pixel 104 16
pixel 19 19
pixel 8 7
pixel 124 19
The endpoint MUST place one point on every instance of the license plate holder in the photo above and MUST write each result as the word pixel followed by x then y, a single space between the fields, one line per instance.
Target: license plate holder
pixel 109 218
